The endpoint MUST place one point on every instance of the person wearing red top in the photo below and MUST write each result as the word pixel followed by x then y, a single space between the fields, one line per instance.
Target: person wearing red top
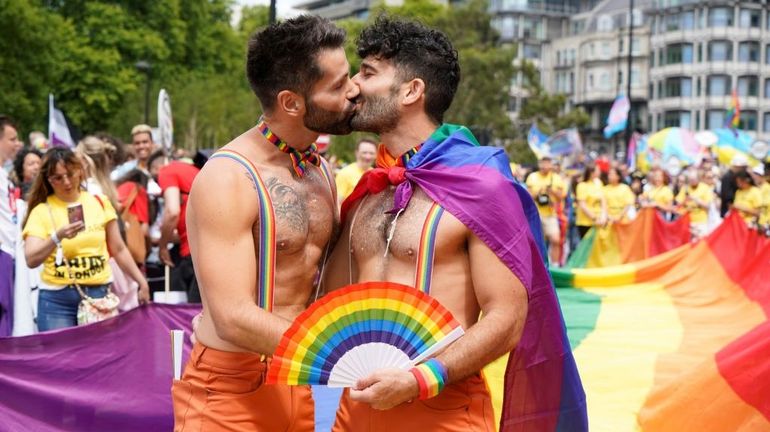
pixel 175 181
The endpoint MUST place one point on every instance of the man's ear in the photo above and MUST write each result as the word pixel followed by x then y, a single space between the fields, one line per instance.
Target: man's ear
pixel 415 90
pixel 291 103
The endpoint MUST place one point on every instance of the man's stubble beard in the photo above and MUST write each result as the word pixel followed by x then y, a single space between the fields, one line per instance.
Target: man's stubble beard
pixel 377 114
pixel 330 122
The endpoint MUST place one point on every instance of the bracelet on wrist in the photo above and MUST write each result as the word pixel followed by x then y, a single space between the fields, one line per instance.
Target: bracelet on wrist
pixel 431 378
pixel 55 239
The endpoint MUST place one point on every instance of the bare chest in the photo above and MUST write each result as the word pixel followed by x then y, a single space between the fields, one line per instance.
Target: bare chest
pixel 375 234
pixel 303 211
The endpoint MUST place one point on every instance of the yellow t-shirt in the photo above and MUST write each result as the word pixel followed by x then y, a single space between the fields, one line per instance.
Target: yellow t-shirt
pixel 660 196
pixel 591 192
pixel 764 216
pixel 618 197
pixel 347 179
pixel 86 252
pixel 703 193
pixel 750 198
pixel 537 183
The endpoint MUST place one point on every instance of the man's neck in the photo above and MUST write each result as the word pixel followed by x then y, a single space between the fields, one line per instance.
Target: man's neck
pixel 298 138
pixel 408 134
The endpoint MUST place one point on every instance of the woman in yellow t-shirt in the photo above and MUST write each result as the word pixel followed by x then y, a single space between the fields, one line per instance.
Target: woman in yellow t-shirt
pixel 619 197
pixel 66 223
pixel 658 195
pixel 748 199
pixel 591 206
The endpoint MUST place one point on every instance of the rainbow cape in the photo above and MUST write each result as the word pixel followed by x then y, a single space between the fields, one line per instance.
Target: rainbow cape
pixel 543 391
pixel 677 342
pixel 649 234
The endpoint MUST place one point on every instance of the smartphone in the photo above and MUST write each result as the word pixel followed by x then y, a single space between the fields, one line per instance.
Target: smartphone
pixel 75 214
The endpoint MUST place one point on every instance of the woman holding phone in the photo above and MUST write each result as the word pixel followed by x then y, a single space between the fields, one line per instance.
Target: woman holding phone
pixel 72 233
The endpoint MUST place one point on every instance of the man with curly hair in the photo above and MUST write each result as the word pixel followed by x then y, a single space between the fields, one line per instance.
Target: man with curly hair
pixel 487 265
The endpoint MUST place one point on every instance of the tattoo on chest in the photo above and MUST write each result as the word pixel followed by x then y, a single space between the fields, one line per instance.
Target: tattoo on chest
pixel 289 207
pixel 251 180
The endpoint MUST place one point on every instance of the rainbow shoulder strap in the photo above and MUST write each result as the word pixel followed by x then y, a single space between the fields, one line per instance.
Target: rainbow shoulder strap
pixel 267 252
pixel 427 251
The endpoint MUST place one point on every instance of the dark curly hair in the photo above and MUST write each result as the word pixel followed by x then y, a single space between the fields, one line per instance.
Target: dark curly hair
pixel 417 52
pixel 18 163
pixel 284 56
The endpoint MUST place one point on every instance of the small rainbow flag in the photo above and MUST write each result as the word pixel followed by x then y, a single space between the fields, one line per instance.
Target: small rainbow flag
pixel 733 118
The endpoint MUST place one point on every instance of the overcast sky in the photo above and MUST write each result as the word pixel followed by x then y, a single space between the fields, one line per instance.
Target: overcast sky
pixel 284 7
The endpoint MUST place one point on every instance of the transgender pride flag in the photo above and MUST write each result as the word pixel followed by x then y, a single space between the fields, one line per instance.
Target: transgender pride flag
pixel 59 134
pixel 618 117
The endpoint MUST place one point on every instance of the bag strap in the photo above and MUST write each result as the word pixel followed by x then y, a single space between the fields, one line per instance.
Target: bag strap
pixel 59 247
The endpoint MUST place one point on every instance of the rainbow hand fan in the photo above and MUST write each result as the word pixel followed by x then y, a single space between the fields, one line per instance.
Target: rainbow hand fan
pixel 358 329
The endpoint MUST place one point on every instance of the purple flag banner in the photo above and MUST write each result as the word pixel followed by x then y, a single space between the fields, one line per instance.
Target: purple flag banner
pixel 114 375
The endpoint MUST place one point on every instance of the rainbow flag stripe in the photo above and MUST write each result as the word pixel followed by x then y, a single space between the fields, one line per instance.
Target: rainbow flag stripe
pixel 351 316
pixel 648 235
pixel 677 342
pixel 424 273
pixel 267 253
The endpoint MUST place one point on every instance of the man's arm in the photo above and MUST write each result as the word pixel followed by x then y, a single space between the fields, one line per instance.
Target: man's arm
pixel 171 209
pixel 503 301
pixel 222 212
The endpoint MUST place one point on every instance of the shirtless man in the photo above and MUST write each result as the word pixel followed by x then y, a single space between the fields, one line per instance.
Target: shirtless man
pixel 299 72
pixel 407 81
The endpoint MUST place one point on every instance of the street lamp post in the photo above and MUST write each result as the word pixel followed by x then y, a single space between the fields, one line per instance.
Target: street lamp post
pixel 146 67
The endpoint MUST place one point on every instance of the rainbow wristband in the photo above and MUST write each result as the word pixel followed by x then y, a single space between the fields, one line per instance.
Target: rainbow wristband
pixel 431 377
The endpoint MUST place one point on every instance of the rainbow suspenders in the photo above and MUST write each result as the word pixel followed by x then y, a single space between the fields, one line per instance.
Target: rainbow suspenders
pixel 427 251
pixel 267 223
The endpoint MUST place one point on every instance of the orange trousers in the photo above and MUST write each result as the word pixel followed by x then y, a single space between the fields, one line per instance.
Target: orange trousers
pixel 464 406
pixel 224 391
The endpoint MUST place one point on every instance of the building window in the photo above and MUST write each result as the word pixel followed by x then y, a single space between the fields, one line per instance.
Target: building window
pixel 620 45
pixel 635 77
pixel 635 46
pixel 750 18
pixel 715 119
pixel 531 51
pixel 697 85
pixel 697 120
pixel 650 91
pixel 533 28
pixel 721 17
pixel 767 88
pixel 676 119
pixel 606 50
pixel 719 85
pixel 748 86
pixel 604 82
pixel 679 53
pixel 748 120
pixel 766 121
pixel 678 87
pixel 672 22
pixel 620 78
pixel 509 28
pixel 748 52
pixel 688 20
pixel 720 51
pixel 767 52
pixel 604 24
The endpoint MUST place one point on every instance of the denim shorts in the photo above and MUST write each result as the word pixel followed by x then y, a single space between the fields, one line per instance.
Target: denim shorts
pixel 59 308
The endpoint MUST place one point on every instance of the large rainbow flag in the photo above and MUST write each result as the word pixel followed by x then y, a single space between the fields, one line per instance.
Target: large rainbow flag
pixel 677 342
pixel 649 234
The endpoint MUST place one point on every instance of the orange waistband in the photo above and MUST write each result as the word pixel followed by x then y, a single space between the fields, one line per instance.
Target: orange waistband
pixel 227 359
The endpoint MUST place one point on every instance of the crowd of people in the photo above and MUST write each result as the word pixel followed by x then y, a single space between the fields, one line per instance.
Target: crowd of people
pixel 595 193
pixel 102 217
